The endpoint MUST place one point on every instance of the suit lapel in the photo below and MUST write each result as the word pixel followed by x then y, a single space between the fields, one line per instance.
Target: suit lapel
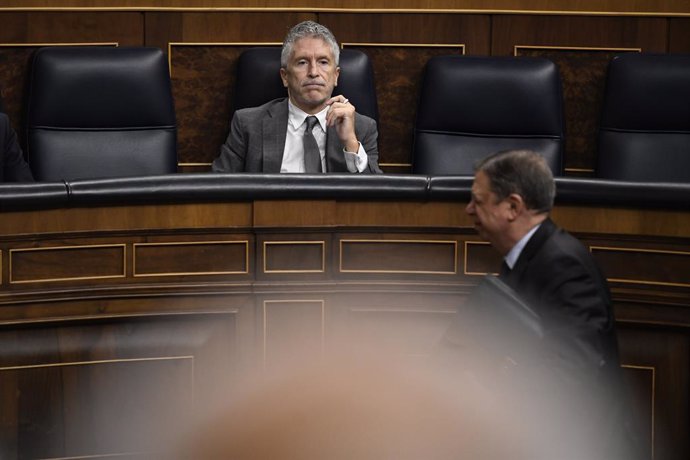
pixel 274 132
pixel 532 247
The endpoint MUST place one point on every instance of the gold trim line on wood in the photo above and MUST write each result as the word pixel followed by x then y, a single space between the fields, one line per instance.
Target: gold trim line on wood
pixel 193 164
pixel 265 322
pixel 396 165
pixel 653 251
pixel 405 45
pixel 323 256
pixel 31 45
pixel 571 48
pixel 191 243
pixel 129 455
pixel 464 268
pixel 77 278
pixel 411 272
pixel 450 310
pixel 220 9
pixel 101 361
pixel 71 319
pixel 579 170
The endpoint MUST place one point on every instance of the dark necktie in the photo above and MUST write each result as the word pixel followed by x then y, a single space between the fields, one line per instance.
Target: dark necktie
pixel 505 271
pixel 312 156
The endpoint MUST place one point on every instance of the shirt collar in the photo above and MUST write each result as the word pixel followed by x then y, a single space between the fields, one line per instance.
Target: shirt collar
pixel 296 116
pixel 515 252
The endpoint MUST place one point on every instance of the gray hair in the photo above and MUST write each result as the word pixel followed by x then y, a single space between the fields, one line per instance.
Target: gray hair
pixel 304 30
pixel 523 172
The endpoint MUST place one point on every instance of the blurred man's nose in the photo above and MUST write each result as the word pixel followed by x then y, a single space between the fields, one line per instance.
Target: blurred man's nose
pixel 469 209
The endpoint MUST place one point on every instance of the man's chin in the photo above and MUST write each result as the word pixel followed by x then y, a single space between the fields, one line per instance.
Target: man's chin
pixel 312 104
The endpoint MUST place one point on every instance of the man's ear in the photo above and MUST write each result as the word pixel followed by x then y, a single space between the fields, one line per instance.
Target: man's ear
pixel 337 75
pixel 516 205
pixel 283 76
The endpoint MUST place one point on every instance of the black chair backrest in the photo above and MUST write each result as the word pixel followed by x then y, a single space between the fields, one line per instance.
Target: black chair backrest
pixel 472 106
pixel 645 125
pixel 100 112
pixel 258 79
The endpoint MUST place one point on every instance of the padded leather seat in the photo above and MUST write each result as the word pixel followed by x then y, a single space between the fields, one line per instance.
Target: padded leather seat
pixel 100 112
pixel 645 125
pixel 472 106
pixel 258 79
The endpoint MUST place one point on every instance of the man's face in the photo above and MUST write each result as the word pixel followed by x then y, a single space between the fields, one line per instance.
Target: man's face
pixel 491 217
pixel 311 74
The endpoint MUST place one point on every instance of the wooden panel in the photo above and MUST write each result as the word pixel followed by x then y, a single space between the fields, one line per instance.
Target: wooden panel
pixel 644 266
pixel 583 69
pixel 292 213
pixel 293 332
pixel 666 352
pixel 113 218
pixel 679 35
pixel 108 386
pixel 641 383
pixel 203 79
pixel 396 330
pixel 191 258
pixel 481 258
pixel 57 263
pixel 294 256
pixel 398 256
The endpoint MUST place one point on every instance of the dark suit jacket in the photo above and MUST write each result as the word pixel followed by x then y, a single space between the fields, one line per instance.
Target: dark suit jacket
pixel 557 276
pixel 257 140
pixel 572 381
pixel 13 168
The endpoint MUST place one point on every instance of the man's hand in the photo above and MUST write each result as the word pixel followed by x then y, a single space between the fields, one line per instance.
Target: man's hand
pixel 342 115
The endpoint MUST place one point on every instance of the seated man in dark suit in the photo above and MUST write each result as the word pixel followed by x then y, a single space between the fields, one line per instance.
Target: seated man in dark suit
pixel 310 131
pixel 13 168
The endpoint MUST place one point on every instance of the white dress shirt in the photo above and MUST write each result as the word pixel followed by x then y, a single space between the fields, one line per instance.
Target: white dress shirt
pixel 293 155
pixel 516 250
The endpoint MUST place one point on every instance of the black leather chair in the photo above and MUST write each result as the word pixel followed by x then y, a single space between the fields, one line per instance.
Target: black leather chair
pixel 472 106
pixel 258 79
pixel 645 125
pixel 100 112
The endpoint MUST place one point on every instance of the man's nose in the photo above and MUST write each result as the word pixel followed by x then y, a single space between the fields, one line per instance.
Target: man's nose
pixel 469 209
pixel 313 71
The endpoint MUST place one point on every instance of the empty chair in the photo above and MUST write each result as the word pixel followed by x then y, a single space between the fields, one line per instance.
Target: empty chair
pixel 472 106
pixel 645 125
pixel 100 112
pixel 258 79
